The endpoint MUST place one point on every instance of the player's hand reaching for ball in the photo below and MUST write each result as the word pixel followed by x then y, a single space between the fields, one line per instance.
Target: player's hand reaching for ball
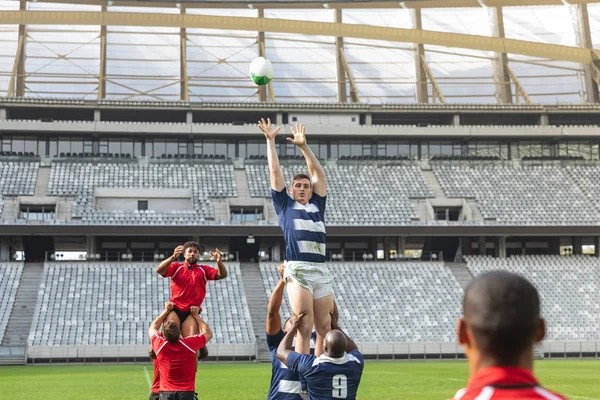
pixel 299 139
pixel 195 310
pixel 177 252
pixel 216 256
pixel 268 129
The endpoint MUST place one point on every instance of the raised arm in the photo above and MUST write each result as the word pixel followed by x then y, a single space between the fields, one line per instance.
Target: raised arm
pixel 222 270
pixel 203 327
pixel 164 266
pixel 275 173
pixel 334 325
pixel 315 169
pixel 273 316
pixel 155 326
pixel 285 347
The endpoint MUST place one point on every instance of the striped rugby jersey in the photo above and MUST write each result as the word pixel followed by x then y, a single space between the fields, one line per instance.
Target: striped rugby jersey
pixel 303 226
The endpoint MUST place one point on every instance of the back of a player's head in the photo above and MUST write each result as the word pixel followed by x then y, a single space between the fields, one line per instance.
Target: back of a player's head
pixel 335 344
pixel 502 314
pixel 191 244
pixel 171 331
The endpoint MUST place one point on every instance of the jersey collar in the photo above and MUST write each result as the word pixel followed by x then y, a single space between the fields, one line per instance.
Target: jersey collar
pixel 189 266
pixel 502 375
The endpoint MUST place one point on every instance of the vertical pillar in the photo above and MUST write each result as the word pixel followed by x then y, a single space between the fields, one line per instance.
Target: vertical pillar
pixel 97 115
pixel 419 53
pixel 102 75
pixel 482 248
pixel 585 41
pixel 91 245
pixel 262 90
pixel 183 75
pixel 342 95
pixel 21 61
pixel 456 119
pixel 501 248
pixel 189 117
pixel 276 251
pixel 577 245
pixel 3 113
pixel 503 86
pixel 597 246
pixel 401 246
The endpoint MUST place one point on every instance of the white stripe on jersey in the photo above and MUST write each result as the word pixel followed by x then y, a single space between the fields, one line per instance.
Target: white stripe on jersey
pixel 306 246
pixel 342 360
pixel 286 386
pixel 486 393
pixel 309 208
pixel 186 346
pixel 460 394
pixel 546 394
pixel 176 272
pixel 309 225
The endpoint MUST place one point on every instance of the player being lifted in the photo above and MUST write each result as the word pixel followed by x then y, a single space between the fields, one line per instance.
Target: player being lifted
pixel 188 285
pixel 302 220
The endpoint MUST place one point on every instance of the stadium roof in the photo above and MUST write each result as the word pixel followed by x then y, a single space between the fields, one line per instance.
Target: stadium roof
pixel 375 52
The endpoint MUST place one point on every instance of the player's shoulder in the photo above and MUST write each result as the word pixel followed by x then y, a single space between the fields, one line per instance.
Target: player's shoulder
pixel 176 264
pixel 489 392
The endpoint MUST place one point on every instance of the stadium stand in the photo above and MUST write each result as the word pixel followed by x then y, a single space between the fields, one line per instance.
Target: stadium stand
pixel 386 189
pixel 390 302
pixel 569 288
pixel 79 179
pixel 18 177
pixel 10 275
pixel 588 180
pixel 113 304
pixel 537 195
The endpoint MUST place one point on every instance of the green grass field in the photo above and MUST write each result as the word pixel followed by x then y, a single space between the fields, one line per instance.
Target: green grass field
pixel 381 380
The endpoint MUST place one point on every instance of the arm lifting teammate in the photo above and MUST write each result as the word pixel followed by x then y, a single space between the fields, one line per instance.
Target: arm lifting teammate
pixel 302 219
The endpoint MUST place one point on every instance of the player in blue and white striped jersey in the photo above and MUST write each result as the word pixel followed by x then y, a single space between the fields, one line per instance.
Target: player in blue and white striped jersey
pixel 285 384
pixel 335 374
pixel 301 215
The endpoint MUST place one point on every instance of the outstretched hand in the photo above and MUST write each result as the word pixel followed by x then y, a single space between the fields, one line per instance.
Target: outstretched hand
pixel 268 129
pixel 216 256
pixel 299 139
pixel 177 252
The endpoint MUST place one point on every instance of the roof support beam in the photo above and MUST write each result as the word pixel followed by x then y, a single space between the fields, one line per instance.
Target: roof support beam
pixel 342 96
pixel 18 72
pixel 419 54
pixel 501 76
pixel 476 42
pixel 102 75
pixel 437 92
pixel 262 52
pixel 183 75
pixel 585 41
pixel 519 89
pixel 354 96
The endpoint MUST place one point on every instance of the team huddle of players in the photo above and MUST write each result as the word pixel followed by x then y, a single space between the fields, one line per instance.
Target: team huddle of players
pixel 311 355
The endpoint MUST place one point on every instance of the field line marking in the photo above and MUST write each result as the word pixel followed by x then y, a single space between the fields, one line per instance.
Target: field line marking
pixel 148 377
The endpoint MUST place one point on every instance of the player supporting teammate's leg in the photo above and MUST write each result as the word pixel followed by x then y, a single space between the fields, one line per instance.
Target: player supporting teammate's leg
pixel 188 285
pixel 302 219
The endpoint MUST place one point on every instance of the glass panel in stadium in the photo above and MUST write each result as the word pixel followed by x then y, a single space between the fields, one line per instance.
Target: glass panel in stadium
pixel 62 61
pixel 463 75
pixel 384 71
pixel 546 81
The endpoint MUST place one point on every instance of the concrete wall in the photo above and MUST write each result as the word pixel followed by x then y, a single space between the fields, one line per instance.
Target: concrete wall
pixel 159 200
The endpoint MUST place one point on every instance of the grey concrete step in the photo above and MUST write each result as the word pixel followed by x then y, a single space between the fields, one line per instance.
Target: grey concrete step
pixel 461 273
pixel 257 304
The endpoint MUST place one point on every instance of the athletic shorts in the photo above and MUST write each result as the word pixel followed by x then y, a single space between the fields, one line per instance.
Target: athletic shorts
pixel 314 277
pixel 178 396
pixel 154 396
pixel 182 314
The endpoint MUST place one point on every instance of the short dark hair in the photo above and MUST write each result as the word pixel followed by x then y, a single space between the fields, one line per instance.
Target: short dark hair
pixel 503 311
pixel 171 331
pixel 301 176
pixel 187 245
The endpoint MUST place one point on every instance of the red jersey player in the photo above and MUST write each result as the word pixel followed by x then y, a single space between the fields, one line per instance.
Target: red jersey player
pixel 188 284
pixel 176 355
pixel 500 326
pixel 155 389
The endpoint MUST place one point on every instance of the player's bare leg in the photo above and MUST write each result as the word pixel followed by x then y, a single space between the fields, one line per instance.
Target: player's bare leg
pixel 174 317
pixel 189 328
pixel 301 301
pixel 322 308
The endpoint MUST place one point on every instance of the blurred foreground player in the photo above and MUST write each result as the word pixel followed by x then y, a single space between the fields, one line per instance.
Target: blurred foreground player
pixel 155 389
pixel 176 356
pixel 333 375
pixel 501 323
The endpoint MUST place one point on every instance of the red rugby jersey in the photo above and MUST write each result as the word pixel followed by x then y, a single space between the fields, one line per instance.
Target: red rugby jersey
pixel 188 284
pixel 177 362
pixel 156 384
pixel 500 383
